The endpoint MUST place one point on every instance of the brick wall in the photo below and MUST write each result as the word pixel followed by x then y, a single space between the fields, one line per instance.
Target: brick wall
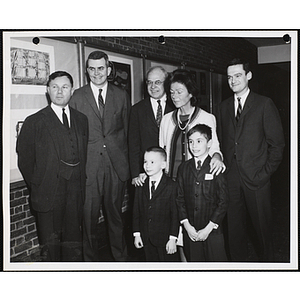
pixel 24 245
pixel 206 53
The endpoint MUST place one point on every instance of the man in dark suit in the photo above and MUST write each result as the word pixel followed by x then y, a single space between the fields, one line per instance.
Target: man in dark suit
pixel 252 142
pixel 144 121
pixel 52 149
pixel 107 108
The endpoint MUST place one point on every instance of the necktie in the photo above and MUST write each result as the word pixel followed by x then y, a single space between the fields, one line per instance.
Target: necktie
pixel 158 113
pixel 65 119
pixel 101 103
pixel 198 165
pixel 152 188
pixel 239 109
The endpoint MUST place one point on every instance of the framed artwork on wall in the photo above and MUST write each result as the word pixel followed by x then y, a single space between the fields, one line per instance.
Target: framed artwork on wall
pixel 30 67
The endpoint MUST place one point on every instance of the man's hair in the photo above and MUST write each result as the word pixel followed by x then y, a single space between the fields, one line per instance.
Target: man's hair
pixel 239 61
pixel 203 129
pixel 59 74
pixel 186 78
pixel 157 149
pixel 97 55
pixel 157 68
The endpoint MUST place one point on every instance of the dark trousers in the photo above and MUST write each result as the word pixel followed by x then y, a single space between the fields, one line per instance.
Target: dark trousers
pixel 59 230
pixel 211 250
pixel 245 203
pixel 108 190
pixel 159 254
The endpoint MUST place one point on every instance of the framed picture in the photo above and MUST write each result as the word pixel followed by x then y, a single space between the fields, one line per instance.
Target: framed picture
pixel 30 67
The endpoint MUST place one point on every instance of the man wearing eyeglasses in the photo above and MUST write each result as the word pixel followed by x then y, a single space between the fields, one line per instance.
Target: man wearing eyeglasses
pixel 107 108
pixel 145 120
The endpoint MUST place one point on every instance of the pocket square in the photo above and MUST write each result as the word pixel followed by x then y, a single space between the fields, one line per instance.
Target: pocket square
pixel 209 177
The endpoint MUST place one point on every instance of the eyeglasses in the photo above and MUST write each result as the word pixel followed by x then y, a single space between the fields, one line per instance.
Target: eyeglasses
pixel 156 82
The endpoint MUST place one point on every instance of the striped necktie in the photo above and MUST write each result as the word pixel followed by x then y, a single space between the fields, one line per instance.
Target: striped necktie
pixel 101 103
pixel 158 113
pixel 239 109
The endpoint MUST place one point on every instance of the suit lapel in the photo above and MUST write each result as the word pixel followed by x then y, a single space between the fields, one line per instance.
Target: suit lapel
pixel 50 116
pixel 230 109
pixel 248 104
pixel 148 107
pixel 161 186
pixel 146 191
pixel 192 167
pixel 91 100
pixel 205 167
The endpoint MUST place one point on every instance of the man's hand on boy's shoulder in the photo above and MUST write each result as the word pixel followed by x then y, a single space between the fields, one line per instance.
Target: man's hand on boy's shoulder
pixel 140 180
pixel 216 165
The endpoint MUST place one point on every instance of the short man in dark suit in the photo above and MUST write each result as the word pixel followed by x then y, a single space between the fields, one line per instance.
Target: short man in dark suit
pixel 252 142
pixel 155 216
pixel 107 108
pixel 145 119
pixel 52 149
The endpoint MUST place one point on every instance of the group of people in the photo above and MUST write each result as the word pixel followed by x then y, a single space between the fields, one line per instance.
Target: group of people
pixel 196 176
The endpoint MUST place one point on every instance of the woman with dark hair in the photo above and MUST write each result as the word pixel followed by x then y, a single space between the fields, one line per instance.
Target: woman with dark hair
pixel 175 125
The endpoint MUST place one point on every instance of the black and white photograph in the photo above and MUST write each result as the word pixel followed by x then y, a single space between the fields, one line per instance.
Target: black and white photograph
pixel 132 103
pixel 155 151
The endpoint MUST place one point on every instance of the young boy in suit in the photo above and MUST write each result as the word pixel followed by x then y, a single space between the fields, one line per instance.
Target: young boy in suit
pixel 155 216
pixel 202 201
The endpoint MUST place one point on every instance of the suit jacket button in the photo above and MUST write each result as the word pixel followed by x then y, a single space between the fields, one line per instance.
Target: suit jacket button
pixel 197 182
pixel 196 208
pixel 196 195
pixel 149 220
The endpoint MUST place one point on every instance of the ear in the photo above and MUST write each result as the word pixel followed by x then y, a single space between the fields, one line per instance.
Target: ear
pixel 108 71
pixel 164 164
pixel 249 75
pixel 209 143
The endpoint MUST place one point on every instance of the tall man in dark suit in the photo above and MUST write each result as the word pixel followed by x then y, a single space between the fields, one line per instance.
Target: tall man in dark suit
pixel 52 148
pixel 107 108
pixel 252 141
pixel 144 121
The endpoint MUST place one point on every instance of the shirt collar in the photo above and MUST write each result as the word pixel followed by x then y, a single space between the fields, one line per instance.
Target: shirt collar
pixel 95 90
pixel 201 159
pixel 157 180
pixel 58 109
pixel 243 97
pixel 163 99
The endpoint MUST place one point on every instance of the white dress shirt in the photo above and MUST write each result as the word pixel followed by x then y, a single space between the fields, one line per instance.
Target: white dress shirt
pixel 95 91
pixel 58 111
pixel 154 104
pixel 243 100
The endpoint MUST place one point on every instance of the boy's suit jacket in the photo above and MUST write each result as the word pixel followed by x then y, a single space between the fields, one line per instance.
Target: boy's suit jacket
pixel 201 197
pixel 156 218
pixel 110 132
pixel 256 142
pixel 39 158
pixel 143 133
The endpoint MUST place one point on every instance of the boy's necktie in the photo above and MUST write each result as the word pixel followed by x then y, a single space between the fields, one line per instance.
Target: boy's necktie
pixel 65 119
pixel 239 109
pixel 152 188
pixel 158 113
pixel 198 165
